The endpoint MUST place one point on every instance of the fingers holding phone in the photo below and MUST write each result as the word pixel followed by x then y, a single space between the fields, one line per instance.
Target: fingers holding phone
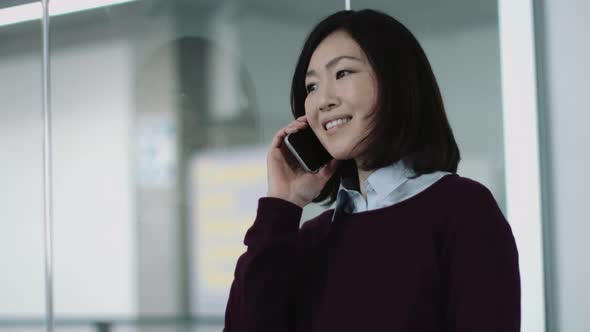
pixel 307 149
pixel 295 163
pixel 292 127
pixel 279 155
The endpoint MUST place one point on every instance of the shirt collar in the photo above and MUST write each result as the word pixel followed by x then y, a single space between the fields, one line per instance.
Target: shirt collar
pixel 386 179
pixel 383 181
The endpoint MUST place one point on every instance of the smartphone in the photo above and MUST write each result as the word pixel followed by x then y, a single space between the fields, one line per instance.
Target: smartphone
pixel 307 149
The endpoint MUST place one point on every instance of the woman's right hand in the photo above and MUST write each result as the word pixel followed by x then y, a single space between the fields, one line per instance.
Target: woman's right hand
pixel 286 178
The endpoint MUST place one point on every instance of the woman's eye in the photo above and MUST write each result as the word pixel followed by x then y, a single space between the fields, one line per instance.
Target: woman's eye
pixel 310 87
pixel 341 73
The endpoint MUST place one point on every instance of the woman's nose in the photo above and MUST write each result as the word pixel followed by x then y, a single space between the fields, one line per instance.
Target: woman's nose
pixel 327 106
pixel 327 101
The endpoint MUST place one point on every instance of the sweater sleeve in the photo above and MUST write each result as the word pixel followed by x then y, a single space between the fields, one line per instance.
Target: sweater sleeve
pixel 261 293
pixel 482 268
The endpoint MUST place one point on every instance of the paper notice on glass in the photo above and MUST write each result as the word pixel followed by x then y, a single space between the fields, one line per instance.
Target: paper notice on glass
pixel 225 188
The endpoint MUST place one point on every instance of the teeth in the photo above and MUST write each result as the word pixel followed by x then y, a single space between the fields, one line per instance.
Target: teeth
pixel 336 122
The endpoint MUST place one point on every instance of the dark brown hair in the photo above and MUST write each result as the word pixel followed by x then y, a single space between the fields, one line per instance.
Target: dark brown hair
pixel 410 122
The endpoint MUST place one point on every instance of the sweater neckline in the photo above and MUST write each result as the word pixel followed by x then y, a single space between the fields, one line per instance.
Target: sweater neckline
pixel 397 205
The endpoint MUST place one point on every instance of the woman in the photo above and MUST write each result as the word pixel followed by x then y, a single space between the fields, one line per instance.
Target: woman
pixel 410 245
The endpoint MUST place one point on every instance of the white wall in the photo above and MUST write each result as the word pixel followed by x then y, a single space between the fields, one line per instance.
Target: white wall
pixel 21 211
pixel 563 29
pixel 93 203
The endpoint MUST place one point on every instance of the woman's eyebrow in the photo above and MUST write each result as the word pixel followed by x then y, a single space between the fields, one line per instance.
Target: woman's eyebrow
pixel 332 63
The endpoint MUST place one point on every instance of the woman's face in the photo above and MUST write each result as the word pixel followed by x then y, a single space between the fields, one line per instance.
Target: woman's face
pixel 342 86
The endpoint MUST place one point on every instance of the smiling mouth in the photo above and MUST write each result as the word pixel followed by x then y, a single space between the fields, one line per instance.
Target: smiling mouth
pixel 333 125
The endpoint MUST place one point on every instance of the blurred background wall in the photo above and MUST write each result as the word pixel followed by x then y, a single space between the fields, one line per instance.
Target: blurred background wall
pixel 564 68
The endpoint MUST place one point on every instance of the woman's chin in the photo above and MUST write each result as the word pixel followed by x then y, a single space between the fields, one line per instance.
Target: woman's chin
pixel 340 155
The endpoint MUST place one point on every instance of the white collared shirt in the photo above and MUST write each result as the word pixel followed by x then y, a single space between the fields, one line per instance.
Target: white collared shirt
pixel 385 186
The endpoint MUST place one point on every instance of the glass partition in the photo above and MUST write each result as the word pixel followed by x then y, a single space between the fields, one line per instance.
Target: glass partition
pixel 21 169
pixel 157 106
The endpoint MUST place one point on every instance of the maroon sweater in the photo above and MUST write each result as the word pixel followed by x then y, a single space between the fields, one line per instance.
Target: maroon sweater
pixel 442 260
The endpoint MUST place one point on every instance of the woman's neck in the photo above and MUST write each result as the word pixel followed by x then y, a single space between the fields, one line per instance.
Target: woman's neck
pixel 363 175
